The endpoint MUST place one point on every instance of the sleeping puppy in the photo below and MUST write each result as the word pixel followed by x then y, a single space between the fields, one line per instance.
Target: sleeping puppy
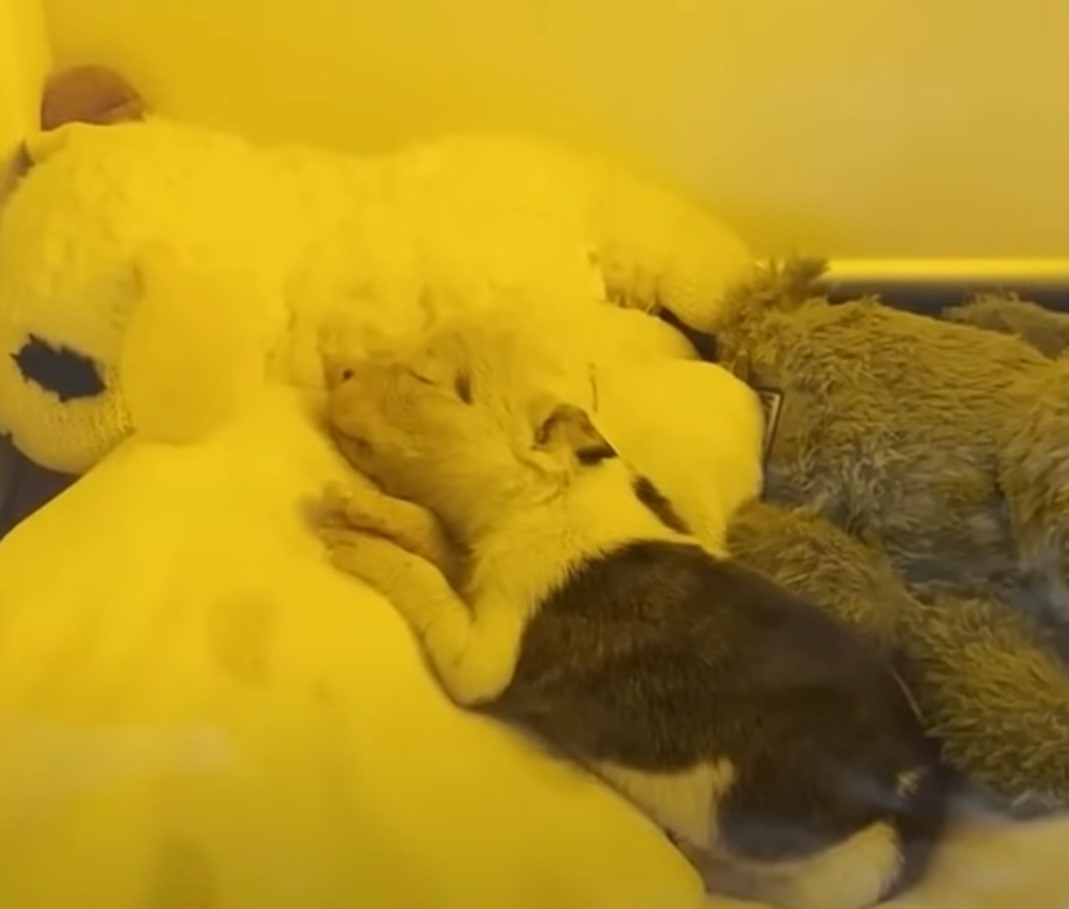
pixel 775 746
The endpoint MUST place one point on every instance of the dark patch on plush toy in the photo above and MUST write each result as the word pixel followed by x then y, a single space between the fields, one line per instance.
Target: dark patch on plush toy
pixel 66 373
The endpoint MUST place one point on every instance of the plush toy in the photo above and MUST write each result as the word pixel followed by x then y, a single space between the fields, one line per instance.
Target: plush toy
pixel 915 482
pixel 1045 330
pixel 89 94
pixel 274 251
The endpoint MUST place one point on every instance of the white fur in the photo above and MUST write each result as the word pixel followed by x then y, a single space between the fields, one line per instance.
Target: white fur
pixel 534 549
pixel 473 650
pixel 679 802
pixel 320 246
pixel 473 640
pixel 528 515
pixel 853 873
pixel 711 413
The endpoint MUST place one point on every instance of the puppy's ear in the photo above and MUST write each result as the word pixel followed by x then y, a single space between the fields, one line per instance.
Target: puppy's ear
pixel 565 428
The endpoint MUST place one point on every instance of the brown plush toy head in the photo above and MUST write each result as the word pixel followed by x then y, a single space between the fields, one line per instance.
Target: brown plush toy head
pixel 89 94
pixel 83 94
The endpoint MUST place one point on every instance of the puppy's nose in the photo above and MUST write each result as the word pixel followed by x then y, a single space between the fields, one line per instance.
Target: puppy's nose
pixel 338 374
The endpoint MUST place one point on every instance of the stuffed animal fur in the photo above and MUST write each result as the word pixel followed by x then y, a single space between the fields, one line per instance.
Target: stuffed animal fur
pixel 1046 331
pixel 917 482
pixel 277 253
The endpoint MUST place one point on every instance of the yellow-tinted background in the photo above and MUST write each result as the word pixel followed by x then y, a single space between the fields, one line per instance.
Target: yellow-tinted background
pixel 23 63
pixel 852 128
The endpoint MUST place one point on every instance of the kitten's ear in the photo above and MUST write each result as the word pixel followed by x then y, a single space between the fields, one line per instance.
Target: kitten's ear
pixel 565 428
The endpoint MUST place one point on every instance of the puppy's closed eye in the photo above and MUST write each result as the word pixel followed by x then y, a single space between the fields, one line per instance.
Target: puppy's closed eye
pixel 462 386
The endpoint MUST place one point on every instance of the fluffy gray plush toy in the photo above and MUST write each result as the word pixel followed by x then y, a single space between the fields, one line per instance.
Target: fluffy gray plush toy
pixel 917 483
pixel 1046 331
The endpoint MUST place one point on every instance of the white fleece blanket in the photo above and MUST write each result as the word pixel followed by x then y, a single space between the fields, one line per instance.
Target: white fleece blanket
pixel 197 710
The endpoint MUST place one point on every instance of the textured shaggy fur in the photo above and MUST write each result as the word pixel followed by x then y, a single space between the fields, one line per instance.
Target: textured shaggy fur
pixel 1046 331
pixel 939 453
pixel 982 677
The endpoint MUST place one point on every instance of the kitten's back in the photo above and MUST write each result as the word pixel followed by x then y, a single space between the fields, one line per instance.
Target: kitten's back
pixel 659 657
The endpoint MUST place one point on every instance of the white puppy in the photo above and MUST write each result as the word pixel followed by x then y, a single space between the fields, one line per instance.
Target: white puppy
pixel 774 745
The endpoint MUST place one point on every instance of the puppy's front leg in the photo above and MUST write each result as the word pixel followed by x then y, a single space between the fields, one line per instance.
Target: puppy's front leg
pixel 363 507
pixel 473 652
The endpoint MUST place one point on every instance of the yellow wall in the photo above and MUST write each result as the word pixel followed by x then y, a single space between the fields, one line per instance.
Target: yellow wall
pixel 864 128
pixel 23 63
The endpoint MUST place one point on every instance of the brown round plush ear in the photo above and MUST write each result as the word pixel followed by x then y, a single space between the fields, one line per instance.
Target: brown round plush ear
pixel 89 94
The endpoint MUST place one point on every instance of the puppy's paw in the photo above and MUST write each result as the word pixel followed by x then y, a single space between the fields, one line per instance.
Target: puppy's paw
pixel 352 549
pixel 333 504
pixel 338 536
pixel 354 514
pixel 359 506
pixel 375 560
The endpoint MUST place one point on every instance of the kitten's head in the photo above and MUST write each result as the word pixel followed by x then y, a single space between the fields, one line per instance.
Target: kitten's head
pixel 471 422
